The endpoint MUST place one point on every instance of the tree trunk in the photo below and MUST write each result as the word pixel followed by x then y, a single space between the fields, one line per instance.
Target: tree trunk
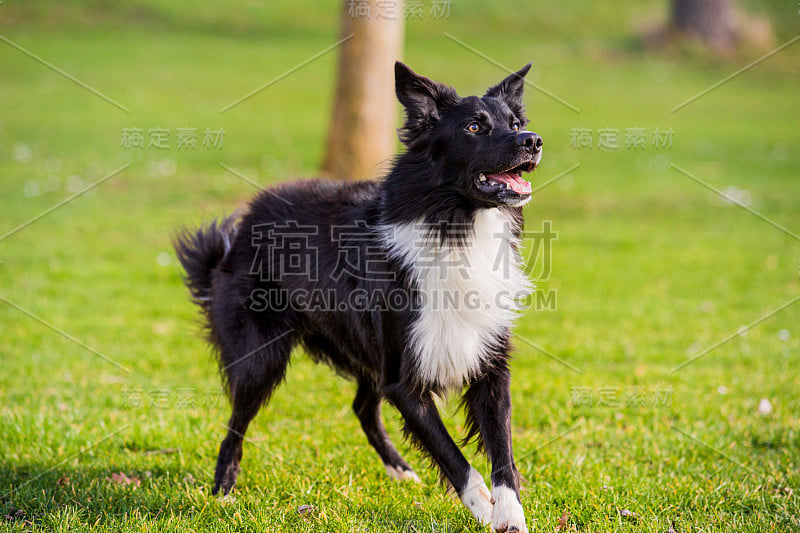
pixel 362 132
pixel 712 21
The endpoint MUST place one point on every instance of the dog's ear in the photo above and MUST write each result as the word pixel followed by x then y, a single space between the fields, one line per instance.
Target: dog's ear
pixel 511 90
pixel 423 100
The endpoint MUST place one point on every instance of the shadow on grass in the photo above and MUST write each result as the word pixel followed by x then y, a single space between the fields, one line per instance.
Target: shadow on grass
pixel 40 496
pixel 31 492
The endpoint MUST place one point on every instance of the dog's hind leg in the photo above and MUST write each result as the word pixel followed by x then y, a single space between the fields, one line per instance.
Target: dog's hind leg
pixel 367 407
pixel 254 369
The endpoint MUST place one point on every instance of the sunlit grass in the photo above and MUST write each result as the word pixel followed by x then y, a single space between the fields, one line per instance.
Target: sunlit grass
pixel 649 268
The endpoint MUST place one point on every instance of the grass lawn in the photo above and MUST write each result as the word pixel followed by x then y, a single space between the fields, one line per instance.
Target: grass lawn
pixel 110 406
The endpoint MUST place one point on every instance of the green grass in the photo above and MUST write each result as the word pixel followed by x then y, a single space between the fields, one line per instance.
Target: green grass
pixel 649 268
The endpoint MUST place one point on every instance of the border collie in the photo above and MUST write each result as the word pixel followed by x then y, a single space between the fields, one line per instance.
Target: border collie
pixel 409 286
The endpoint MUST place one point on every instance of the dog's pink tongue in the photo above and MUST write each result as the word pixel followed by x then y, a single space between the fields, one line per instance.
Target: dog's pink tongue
pixel 514 182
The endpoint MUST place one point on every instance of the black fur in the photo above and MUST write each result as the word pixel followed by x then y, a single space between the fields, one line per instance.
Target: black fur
pixel 245 275
pixel 200 252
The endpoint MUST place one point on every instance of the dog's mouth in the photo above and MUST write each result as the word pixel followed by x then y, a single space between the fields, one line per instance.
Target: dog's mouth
pixel 507 180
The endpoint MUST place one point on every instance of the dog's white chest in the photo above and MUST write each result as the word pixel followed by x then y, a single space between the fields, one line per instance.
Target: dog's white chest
pixel 470 294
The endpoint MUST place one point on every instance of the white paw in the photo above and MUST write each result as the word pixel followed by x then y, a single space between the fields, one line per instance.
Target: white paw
pixel 476 498
pixel 227 499
pixel 402 475
pixel 507 515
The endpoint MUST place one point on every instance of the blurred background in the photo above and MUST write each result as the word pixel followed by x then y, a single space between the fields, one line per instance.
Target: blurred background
pixel 655 377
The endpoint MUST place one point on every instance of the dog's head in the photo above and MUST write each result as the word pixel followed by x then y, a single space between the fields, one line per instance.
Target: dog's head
pixel 480 144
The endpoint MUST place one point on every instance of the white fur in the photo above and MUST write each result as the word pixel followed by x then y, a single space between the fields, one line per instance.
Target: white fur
pixel 507 511
pixel 471 293
pixel 476 498
pixel 402 475
pixel 521 202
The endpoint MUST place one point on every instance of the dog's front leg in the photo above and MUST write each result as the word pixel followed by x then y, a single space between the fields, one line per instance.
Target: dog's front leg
pixel 489 412
pixel 425 426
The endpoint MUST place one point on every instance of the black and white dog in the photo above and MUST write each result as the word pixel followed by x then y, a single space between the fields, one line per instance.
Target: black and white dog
pixel 410 286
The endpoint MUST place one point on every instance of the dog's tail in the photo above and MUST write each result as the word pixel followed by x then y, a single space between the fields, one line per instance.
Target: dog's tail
pixel 200 251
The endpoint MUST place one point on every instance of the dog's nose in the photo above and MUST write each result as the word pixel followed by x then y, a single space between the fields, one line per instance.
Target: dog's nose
pixel 530 141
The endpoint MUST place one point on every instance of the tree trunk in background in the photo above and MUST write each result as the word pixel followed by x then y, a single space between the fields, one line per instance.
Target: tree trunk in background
pixel 713 21
pixel 362 132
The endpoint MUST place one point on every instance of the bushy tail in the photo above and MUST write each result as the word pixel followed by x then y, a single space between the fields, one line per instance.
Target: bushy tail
pixel 200 251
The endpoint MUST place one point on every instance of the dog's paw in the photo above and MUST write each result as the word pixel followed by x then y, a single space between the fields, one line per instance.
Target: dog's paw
pixel 227 499
pixel 507 515
pixel 476 498
pixel 401 474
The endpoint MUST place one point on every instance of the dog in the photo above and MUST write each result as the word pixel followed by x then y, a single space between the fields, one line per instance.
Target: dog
pixel 410 286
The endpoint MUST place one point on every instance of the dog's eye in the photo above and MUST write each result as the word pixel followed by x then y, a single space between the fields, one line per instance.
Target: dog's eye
pixel 515 126
pixel 473 127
